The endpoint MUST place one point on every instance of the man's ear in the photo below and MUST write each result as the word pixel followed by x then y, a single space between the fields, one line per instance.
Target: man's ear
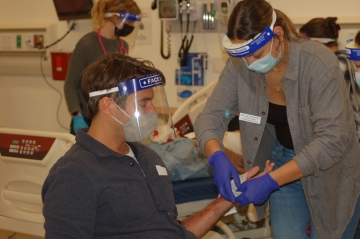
pixel 105 105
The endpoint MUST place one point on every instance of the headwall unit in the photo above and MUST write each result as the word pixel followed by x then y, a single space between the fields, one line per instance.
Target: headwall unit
pixel 26 40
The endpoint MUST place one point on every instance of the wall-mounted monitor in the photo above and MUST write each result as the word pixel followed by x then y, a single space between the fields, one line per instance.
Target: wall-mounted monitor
pixel 73 9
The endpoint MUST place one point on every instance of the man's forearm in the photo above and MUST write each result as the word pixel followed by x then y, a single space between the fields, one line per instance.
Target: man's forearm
pixel 200 223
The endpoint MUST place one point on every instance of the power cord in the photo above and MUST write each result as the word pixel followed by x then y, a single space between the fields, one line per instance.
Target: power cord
pixel 72 27
pixel 162 40
pixel 52 87
pixel 12 236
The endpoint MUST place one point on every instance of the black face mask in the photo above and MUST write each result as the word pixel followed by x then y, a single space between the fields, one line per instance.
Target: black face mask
pixel 125 31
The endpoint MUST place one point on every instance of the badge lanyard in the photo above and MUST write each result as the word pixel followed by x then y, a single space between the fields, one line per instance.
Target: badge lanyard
pixel 122 49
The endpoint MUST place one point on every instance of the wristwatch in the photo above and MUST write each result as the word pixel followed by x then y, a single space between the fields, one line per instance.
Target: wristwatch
pixel 76 113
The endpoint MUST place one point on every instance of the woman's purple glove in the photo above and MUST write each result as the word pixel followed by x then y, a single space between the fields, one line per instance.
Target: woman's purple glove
pixel 256 190
pixel 223 171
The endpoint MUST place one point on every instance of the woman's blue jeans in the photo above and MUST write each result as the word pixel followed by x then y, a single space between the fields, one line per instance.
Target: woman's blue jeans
pixel 289 212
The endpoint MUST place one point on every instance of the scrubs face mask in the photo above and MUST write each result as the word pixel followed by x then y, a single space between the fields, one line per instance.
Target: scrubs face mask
pixel 146 98
pixel 125 31
pixel 126 28
pixel 357 78
pixel 265 64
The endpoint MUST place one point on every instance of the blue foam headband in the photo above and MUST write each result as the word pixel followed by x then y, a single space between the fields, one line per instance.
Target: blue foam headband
pixel 125 16
pixel 140 83
pixel 130 16
pixel 252 45
pixel 133 85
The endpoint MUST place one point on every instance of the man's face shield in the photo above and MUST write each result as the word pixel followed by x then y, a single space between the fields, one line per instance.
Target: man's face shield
pixel 145 97
pixel 252 45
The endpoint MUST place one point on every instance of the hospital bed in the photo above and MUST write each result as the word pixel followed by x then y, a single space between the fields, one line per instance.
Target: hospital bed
pixel 193 195
pixel 26 157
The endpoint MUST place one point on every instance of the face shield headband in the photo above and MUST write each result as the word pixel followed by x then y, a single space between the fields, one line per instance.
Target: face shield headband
pixel 124 16
pixel 318 39
pixel 252 45
pixel 131 86
pixel 352 51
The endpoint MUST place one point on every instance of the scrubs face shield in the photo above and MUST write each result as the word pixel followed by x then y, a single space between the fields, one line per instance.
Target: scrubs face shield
pixel 353 54
pixel 252 45
pixel 146 107
pixel 318 39
pixel 124 29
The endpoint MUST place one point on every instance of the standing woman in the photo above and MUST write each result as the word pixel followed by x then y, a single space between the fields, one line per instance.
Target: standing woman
pixel 293 109
pixel 112 19
pixel 326 31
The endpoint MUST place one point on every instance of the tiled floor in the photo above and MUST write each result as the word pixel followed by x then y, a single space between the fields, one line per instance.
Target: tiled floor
pixel 8 234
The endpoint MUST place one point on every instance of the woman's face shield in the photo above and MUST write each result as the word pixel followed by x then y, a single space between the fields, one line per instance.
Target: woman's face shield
pixel 146 107
pixel 318 39
pixel 252 45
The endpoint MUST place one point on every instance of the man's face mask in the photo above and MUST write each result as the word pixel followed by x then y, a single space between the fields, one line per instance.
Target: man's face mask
pixel 265 64
pixel 125 31
pixel 138 129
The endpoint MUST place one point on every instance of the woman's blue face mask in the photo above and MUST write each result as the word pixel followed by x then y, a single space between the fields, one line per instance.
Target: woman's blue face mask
pixel 265 64
pixel 357 78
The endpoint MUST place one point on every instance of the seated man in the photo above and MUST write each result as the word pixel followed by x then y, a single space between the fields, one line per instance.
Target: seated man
pixel 108 185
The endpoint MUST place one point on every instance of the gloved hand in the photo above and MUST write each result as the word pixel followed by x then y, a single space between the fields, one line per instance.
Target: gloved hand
pixel 223 171
pixel 256 190
pixel 79 123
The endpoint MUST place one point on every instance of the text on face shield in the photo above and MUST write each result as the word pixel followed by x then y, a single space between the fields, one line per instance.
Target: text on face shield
pixel 152 81
pixel 240 49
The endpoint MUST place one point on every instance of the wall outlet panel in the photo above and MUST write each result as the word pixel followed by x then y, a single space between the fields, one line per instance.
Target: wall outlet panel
pixel 25 41
pixel 22 41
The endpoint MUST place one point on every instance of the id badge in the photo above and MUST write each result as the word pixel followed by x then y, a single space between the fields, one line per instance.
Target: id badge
pixel 250 118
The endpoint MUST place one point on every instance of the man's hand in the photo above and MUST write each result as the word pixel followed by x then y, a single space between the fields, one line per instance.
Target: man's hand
pixel 256 190
pixel 253 172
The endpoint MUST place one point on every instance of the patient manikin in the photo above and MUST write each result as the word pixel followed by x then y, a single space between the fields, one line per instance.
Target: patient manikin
pixel 182 156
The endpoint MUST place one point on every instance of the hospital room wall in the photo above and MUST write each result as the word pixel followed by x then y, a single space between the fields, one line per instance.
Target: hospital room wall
pixel 27 101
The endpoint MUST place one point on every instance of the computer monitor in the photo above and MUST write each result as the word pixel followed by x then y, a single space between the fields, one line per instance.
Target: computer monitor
pixel 73 9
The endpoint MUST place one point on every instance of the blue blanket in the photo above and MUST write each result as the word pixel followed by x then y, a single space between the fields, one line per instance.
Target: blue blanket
pixel 182 158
